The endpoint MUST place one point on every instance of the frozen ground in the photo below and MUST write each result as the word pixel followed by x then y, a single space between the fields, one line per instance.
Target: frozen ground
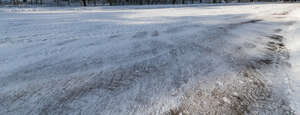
pixel 202 59
pixel 293 43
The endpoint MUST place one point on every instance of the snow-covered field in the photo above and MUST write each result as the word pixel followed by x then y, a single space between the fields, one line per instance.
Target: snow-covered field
pixel 228 59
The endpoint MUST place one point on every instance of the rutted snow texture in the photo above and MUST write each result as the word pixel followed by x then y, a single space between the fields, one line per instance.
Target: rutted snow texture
pixel 293 43
pixel 186 60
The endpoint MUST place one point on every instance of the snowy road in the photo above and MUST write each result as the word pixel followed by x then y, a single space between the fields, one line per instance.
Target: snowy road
pixel 200 59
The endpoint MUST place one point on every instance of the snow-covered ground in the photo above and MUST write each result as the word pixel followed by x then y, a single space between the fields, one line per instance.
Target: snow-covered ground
pixel 293 33
pixel 196 59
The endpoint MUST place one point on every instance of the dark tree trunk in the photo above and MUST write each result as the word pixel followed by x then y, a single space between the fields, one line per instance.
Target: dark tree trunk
pixel 192 1
pixel 84 3
pixel 182 1
pixel 110 2
pixel 14 2
pixel 95 2
pixel 174 1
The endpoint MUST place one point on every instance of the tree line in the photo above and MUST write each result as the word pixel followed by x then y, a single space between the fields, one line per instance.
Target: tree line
pixel 125 2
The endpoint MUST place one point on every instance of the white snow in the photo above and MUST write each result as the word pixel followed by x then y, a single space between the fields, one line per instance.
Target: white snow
pixel 293 34
pixel 131 60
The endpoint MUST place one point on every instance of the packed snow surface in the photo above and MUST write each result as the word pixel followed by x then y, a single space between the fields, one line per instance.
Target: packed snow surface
pixel 293 33
pixel 164 59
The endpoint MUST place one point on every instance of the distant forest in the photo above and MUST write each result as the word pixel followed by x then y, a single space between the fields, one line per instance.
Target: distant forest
pixel 121 2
